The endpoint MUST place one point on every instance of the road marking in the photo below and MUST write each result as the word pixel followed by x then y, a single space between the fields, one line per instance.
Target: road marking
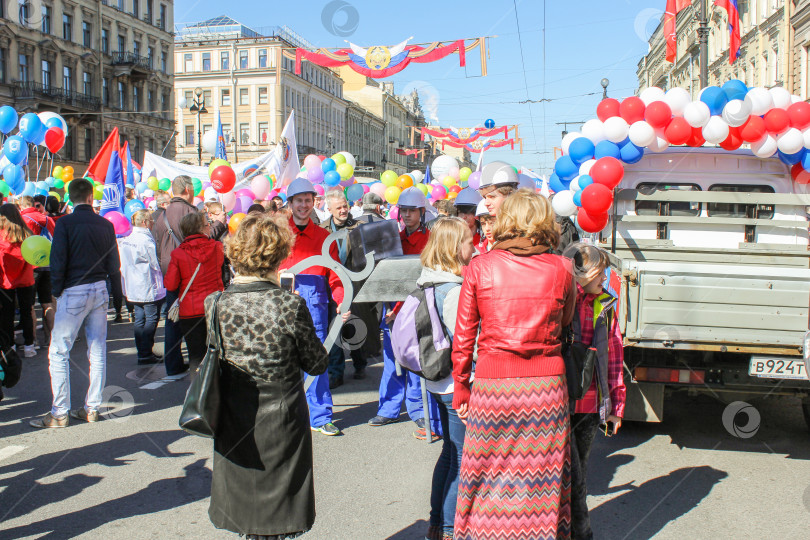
pixel 9 451
pixel 153 385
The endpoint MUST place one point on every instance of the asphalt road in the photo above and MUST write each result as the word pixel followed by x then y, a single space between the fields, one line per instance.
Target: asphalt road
pixel 136 475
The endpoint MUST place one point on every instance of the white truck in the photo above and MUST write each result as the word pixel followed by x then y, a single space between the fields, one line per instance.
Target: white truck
pixel 712 248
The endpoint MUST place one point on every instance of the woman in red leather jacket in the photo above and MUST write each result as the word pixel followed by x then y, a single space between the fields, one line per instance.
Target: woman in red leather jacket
pixel 16 280
pixel 516 452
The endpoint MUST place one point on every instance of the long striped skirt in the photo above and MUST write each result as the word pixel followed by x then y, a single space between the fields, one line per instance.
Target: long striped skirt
pixel 515 478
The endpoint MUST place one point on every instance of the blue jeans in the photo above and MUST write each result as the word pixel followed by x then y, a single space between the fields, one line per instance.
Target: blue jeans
pixel 80 304
pixel 444 491
pixel 394 389
pixel 172 340
pixel 147 315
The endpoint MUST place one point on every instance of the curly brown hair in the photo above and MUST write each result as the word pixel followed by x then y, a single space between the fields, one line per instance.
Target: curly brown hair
pixel 259 245
pixel 525 214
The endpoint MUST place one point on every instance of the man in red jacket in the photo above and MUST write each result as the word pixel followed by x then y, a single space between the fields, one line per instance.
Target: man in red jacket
pixel 33 214
pixel 311 284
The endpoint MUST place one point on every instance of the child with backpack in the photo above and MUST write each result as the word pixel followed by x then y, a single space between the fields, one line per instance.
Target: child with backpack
pixel 602 405
pixel 449 248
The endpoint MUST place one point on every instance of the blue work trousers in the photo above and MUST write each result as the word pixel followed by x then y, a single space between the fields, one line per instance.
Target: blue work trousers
pixel 315 292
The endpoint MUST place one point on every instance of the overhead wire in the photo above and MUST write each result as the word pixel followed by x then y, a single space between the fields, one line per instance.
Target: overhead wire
pixel 523 65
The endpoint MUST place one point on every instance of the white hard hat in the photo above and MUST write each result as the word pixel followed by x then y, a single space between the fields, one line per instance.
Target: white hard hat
pixel 481 209
pixel 498 173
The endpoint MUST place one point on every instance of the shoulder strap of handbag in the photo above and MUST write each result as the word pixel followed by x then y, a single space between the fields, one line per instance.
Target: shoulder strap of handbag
pixel 214 326
pixel 191 281
pixel 169 228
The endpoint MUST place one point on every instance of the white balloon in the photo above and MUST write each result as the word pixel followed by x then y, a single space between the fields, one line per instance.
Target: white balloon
pixel 585 168
pixel 568 139
pixel 349 158
pixel 441 166
pixel 182 103
pixel 47 115
pixel 653 93
pixel 210 194
pixel 616 129
pixel 641 133
pixel 736 112
pixel 760 99
pixel 790 141
pixel 563 203
pixel 148 193
pixel 659 145
pixel 209 141
pixel 574 184
pixel 594 130
pixel 764 148
pixel 418 176
pixel 715 131
pixel 697 114
pixel 795 99
pixel 781 97
pixel 805 136
pixel 677 99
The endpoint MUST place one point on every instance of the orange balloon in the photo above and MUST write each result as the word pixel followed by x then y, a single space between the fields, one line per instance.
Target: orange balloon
pixel 68 169
pixel 404 182
pixel 234 222
pixel 455 189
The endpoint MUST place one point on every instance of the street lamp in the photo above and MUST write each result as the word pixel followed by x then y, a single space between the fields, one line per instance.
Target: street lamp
pixel 604 83
pixel 198 108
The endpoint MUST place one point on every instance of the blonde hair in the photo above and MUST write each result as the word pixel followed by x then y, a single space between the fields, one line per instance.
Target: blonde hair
pixel 525 214
pixel 140 217
pixel 259 245
pixel 442 248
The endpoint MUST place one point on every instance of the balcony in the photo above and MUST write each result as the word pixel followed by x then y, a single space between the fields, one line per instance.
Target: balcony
pixel 134 65
pixel 50 94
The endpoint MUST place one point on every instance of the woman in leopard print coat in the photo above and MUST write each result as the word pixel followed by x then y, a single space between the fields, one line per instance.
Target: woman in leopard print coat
pixel 262 483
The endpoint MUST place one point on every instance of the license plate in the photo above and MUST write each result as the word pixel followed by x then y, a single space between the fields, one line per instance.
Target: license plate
pixel 775 367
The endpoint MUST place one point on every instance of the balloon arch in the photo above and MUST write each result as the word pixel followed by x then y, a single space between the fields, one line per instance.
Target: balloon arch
pixel 771 120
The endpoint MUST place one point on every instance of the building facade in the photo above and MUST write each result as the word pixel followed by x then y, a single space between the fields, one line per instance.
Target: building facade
pixel 245 78
pixel 775 36
pixel 99 64
pixel 364 138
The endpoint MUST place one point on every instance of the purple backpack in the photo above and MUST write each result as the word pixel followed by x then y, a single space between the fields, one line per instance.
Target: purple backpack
pixel 421 342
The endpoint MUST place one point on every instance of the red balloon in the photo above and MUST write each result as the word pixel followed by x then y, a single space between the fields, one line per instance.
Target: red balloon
pixel 607 171
pixel 54 139
pixel 596 199
pixel 697 138
pixel 734 139
pixel 799 114
pixel 776 121
pixel 800 176
pixel 607 108
pixel 753 130
pixel 591 223
pixel 223 179
pixel 678 131
pixel 322 158
pixel 632 109
pixel 658 115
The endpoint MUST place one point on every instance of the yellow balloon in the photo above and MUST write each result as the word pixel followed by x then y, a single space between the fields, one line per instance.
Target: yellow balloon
pixel 448 181
pixel 339 158
pixel 98 192
pixel 392 194
pixel 55 194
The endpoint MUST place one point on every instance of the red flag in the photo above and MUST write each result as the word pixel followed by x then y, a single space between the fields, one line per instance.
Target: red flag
pixel 99 164
pixel 733 27
pixel 670 33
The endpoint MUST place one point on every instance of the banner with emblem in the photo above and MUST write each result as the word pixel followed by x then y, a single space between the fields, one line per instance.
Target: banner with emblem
pixel 465 135
pixel 480 146
pixel 380 61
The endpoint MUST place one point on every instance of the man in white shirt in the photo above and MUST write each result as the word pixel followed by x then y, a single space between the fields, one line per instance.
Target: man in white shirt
pixel 143 283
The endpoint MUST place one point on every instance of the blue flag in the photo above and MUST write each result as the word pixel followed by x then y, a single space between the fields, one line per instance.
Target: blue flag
pixel 220 153
pixel 130 171
pixel 426 180
pixel 113 193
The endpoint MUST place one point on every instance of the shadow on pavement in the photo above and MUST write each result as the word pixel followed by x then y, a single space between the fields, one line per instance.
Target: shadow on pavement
pixel 417 530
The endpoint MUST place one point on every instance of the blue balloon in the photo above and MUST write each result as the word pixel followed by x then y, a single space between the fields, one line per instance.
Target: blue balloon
pixel 30 126
pixel 630 153
pixel 489 123
pixel 328 165
pixel 141 187
pixel 54 122
pixel 38 191
pixel 15 149
pixel 715 98
pixel 354 192
pixel 29 189
pixel 42 185
pixel 13 175
pixel 565 168
pixel 39 137
pixel 331 179
pixel 791 159
pixel 8 119
pixel 133 206
pixel 584 181
pixel 735 89
pixel 578 198
pixel 284 197
pixel 555 184
pixel 607 149
pixel 50 181
pixel 581 150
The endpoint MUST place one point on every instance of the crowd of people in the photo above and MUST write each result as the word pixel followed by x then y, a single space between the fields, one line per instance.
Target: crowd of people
pixel 513 288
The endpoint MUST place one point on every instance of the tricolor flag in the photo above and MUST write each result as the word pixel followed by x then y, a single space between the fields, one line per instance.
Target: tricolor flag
pixel 670 32
pixel 733 27
pixel 99 164
pixel 113 194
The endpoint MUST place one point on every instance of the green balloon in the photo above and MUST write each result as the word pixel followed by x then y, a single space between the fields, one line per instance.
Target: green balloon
pixel 92 182
pixel 58 184
pixel 36 250
pixel 164 184
pixel 197 185
pixel 216 163
pixel 4 189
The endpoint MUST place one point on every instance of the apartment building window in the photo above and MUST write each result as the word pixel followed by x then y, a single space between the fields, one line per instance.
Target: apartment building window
pixel 105 41
pixel 263 132
pixel 67 27
pixel 88 144
pixel 206 128
pixel 162 20
pixel 149 10
pixel 164 58
pixel 46 74
pixel 224 56
pixel 227 133
pixel 188 65
pixel 164 102
pixel 87 83
pixel 263 95
pixel 189 97
pixel 150 53
pixel 136 8
pixel 136 48
pixel 122 96
pixel 105 91
pixel 244 98
pixel 150 101
pixel 207 98
pixel 46 19
pixel 189 135
pixel 122 43
pixel 121 5
pixel 136 99
pixel 206 61
pixel 262 58
pixel 244 134
pixel 226 97
pixel 2 65
pixel 67 78
pixel 243 59
pixel 87 34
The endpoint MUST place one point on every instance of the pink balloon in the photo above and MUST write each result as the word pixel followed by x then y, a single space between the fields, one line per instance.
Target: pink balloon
pixel 394 213
pixel 120 223
pixel 365 189
pixel 438 193
pixel 378 188
pixel 454 172
pixel 319 189
pixel 315 175
pixel 312 162
pixel 260 187
pixel 273 193
pixel 244 192
pixel 228 200
pixel 197 200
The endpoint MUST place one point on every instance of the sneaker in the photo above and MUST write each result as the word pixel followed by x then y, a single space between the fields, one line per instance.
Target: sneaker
pixel 378 421
pixel 334 383
pixel 360 374
pixel 419 433
pixel 29 351
pixel 329 429
pixel 131 317
pixel 83 415
pixel 50 421
pixel 420 423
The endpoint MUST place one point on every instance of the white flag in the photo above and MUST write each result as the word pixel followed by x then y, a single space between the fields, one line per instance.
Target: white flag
pixel 287 154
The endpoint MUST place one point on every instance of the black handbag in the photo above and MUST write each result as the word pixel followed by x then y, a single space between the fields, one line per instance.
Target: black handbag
pixel 11 367
pixel 580 362
pixel 200 414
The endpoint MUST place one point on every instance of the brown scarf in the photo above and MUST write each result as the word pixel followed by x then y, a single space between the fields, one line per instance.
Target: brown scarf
pixel 522 247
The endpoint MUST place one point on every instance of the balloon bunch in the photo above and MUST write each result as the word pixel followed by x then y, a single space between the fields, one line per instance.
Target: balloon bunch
pixel 44 129
pixel 446 183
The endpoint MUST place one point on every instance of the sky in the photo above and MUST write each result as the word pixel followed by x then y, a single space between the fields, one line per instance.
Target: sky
pixel 558 50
